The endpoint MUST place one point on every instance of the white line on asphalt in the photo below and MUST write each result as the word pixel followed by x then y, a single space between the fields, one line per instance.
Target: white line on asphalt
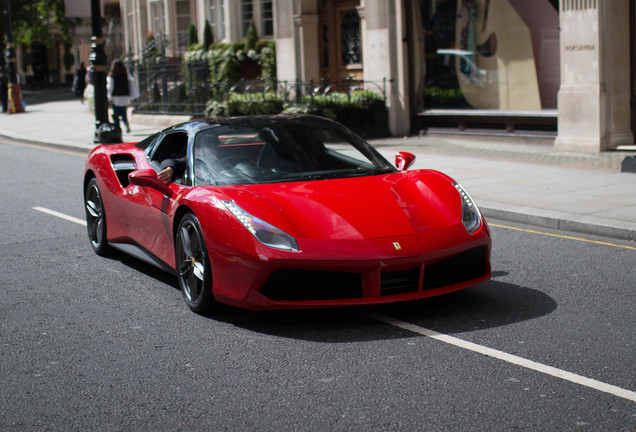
pixel 510 358
pixel 60 215
pixel 519 361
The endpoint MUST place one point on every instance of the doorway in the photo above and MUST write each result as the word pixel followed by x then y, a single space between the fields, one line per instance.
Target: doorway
pixel 40 65
pixel 340 42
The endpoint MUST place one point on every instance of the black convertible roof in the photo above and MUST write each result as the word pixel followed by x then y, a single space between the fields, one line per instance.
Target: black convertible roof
pixel 195 125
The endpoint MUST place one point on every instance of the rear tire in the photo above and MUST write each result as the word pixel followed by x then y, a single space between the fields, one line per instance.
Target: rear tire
pixel 193 266
pixel 96 218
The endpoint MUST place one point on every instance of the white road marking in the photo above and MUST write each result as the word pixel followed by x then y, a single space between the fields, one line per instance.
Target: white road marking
pixel 510 358
pixel 60 215
pixel 513 359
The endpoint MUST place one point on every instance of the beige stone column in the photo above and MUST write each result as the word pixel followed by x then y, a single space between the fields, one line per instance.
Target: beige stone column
pixel 309 53
pixel 593 100
pixel 284 34
pixel 384 56
pixel 296 33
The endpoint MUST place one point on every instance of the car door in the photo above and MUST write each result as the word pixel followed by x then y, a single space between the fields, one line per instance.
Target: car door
pixel 149 212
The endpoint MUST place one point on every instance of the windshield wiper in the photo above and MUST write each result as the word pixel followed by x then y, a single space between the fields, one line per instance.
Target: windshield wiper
pixel 308 177
pixel 373 171
pixel 337 174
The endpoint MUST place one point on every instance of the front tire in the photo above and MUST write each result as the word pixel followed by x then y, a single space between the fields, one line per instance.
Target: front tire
pixel 193 266
pixel 95 218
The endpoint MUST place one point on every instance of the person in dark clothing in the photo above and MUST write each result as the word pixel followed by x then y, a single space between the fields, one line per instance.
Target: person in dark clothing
pixel 79 82
pixel 121 90
pixel 172 168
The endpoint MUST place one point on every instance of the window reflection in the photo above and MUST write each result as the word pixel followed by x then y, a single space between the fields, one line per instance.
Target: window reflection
pixel 350 34
pixel 483 54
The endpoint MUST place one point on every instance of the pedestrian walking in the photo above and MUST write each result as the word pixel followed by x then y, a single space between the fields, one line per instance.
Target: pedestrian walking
pixel 79 82
pixel 121 89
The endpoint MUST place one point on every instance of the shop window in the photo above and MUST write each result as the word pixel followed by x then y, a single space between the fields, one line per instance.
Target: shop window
pixel 476 56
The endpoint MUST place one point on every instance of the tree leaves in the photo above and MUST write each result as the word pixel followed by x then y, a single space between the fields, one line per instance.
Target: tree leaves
pixel 40 21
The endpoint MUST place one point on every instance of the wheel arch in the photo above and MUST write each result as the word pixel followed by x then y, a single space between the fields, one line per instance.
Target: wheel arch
pixel 205 300
pixel 88 176
pixel 178 215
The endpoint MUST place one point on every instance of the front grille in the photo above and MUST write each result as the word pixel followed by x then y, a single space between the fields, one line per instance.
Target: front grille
pixel 399 282
pixel 307 285
pixel 289 285
pixel 460 268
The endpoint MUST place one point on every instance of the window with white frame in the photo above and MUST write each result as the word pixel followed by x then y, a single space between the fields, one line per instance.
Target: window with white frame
pixel 182 8
pixel 262 12
pixel 216 18
pixel 267 18
pixel 247 14
pixel 157 17
pixel 132 34
pixel 130 30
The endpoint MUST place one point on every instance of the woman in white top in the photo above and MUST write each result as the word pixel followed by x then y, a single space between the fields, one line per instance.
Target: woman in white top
pixel 121 90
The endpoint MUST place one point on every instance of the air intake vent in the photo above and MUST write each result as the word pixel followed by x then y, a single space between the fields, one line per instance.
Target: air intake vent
pixel 123 165
pixel 460 268
pixel 289 285
pixel 399 282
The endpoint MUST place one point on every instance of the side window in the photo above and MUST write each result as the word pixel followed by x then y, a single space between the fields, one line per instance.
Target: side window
pixel 146 142
pixel 173 146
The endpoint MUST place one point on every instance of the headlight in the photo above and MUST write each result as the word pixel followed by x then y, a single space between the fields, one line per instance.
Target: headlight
pixel 265 233
pixel 471 217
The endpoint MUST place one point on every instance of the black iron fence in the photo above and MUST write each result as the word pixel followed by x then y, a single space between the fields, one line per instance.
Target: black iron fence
pixel 186 88
pixel 172 88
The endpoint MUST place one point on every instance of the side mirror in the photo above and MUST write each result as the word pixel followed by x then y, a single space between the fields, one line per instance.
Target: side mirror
pixel 148 178
pixel 403 160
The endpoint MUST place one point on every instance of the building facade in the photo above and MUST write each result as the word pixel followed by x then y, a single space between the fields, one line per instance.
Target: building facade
pixel 53 62
pixel 144 20
pixel 564 67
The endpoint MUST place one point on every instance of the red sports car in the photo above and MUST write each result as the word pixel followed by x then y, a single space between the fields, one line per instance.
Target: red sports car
pixel 283 212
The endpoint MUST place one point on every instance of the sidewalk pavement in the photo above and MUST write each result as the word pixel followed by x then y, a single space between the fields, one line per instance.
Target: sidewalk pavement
pixel 517 181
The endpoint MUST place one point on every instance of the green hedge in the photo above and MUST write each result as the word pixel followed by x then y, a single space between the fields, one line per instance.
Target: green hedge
pixel 330 106
pixel 240 104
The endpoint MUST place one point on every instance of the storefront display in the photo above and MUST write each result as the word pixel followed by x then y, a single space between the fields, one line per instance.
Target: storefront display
pixel 488 54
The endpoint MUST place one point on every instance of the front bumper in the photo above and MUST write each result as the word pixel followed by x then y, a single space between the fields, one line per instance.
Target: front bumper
pixel 341 281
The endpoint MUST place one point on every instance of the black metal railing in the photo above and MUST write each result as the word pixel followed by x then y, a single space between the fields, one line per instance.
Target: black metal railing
pixel 173 88
pixel 186 89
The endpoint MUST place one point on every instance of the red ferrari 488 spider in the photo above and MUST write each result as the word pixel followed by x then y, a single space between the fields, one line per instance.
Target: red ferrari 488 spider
pixel 284 212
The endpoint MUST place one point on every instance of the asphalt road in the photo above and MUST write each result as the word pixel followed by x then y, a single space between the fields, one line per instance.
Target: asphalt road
pixel 90 343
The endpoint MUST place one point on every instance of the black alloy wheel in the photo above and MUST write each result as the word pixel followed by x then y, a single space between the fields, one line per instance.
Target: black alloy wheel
pixel 193 266
pixel 95 218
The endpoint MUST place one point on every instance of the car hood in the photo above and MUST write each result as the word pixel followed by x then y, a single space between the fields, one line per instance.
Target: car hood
pixel 370 207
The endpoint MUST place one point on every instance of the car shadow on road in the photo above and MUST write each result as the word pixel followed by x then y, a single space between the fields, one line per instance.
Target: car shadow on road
pixel 488 305
pixel 145 268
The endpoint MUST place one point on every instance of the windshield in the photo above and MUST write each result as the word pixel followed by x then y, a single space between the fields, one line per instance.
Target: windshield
pixel 282 150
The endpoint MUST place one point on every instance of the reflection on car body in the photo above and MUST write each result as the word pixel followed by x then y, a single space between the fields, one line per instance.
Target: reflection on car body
pixel 276 212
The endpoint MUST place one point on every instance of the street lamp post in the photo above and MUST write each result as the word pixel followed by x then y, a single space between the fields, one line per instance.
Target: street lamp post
pixel 13 87
pixel 105 132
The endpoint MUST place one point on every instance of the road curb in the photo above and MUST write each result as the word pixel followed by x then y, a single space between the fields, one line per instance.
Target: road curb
pixel 558 221
pixel 64 146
